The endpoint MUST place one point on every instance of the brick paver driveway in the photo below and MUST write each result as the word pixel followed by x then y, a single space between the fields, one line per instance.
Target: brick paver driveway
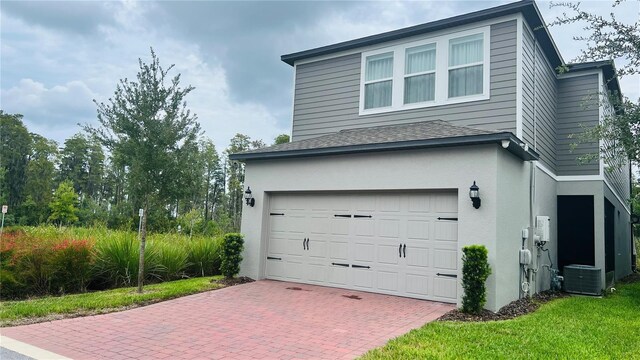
pixel 261 320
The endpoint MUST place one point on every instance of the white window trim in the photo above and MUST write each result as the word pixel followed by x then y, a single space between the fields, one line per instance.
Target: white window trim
pixel 441 72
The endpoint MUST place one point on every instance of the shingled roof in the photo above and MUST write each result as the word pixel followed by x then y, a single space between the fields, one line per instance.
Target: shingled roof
pixel 427 134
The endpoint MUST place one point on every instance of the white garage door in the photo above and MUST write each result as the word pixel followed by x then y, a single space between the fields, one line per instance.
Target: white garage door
pixel 393 243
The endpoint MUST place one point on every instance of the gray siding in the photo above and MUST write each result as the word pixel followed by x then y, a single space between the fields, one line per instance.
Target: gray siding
pixel 327 94
pixel 539 95
pixel 618 178
pixel 577 109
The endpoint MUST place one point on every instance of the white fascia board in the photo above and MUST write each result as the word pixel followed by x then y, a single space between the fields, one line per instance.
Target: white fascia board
pixel 579 73
pixel 519 79
pixel 600 119
pixel 428 35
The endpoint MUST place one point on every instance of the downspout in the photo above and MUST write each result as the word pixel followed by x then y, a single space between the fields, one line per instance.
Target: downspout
pixel 530 239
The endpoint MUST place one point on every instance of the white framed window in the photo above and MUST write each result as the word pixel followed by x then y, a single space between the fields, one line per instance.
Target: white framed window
pixel 420 74
pixel 432 71
pixel 466 63
pixel 378 85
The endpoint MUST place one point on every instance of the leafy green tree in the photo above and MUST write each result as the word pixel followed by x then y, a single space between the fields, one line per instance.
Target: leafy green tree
pixel 63 205
pixel 82 162
pixel 146 125
pixel 235 178
pixel 605 37
pixel 39 179
pixel 15 147
pixel 282 139
pixel 213 177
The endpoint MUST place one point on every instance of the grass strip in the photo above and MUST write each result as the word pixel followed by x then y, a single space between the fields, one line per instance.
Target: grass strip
pixel 97 302
pixel 576 327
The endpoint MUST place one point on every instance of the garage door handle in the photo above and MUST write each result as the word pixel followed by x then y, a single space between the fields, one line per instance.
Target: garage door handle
pixel 341 215
pixel 400 251
pixel 307 243
pixel 304 244
pixel 360 266
pixel 339 264
pixel 362 216
pixel 448 275
pixel 404 250
pixel 273 258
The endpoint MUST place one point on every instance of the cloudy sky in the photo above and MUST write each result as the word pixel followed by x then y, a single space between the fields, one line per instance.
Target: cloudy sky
pixel 56 57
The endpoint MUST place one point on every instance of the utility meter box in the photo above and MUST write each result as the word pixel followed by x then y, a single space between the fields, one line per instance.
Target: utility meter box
pixel 543 229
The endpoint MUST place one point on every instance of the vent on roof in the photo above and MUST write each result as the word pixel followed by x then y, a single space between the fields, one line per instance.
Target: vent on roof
pixel 582 279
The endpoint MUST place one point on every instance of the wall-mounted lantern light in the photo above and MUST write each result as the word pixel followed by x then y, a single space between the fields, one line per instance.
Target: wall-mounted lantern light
pixel 248 198
pixel 474 194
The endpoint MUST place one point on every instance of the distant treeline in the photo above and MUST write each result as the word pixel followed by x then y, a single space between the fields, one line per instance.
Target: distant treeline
pixel 34 170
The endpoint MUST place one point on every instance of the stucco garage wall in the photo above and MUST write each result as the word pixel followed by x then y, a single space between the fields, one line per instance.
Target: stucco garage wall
pixel 446 168
pixel 622 225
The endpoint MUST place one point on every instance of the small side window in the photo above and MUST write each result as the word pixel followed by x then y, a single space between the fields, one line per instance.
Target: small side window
pixel 420 74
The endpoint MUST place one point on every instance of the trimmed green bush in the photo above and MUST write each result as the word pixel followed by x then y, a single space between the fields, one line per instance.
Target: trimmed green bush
pixel 232 246
pixel 475 271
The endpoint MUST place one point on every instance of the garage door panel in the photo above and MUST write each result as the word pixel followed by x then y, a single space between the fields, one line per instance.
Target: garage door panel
pixel 319 224
pixel 364 204
pixel 418 284
pixel 417 256
pixel 363 279
pixel 317 248
pixel 339 250
pixel 389 228
pixel 278 246
pixel 444 203
pixel 339 226
pixel 445 287
pixel 278 224
pixel 446 230
pixel 364 252
pixel 420 203
pixel 445 259
pixel 276 269
pixel 317 273
pixel 388 281
pixel 388 203
pixel 338 276
pixel 418 229
pixel 364 227
pixel 388 254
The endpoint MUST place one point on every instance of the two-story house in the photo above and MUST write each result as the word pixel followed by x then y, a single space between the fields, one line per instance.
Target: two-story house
pixel 411 144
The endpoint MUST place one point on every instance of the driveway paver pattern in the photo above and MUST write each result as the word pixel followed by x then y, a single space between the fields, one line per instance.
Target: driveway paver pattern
pixel 260 320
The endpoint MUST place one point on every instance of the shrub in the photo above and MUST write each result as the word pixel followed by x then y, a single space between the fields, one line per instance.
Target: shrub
pixel 172 259
pixel 71 264
pixel 117 261
pixel 475 271
pixel 204 257
pixel 232 246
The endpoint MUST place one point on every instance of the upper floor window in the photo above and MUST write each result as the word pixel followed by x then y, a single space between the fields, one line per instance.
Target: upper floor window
pixel 465 65
pixel 420 74
pixel 439 70
pixel 378 86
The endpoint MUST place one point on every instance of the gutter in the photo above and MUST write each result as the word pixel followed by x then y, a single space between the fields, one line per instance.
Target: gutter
pixel 497 138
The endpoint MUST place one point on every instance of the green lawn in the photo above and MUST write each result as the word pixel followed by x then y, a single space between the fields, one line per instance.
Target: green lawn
pixel 568 328
pixel 15 312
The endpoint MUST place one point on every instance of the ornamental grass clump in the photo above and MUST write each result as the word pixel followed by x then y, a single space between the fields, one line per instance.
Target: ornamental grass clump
pixel 475 271
pixel 204 257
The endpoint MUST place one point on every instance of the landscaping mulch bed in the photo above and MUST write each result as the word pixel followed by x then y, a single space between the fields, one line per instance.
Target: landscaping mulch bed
pixel 234 281
pixel 635 277
pixel 512 310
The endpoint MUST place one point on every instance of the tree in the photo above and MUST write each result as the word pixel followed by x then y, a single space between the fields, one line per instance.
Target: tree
pixel 146 125
pixel 82 162
pixel 608 38
pixel 213 177
pixel 15 147
pixel 63 206
pixel 39 179
pixel 281 139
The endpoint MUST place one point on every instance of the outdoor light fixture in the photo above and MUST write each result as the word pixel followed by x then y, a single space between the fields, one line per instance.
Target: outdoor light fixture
pixel 474 194
pixel 248 197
